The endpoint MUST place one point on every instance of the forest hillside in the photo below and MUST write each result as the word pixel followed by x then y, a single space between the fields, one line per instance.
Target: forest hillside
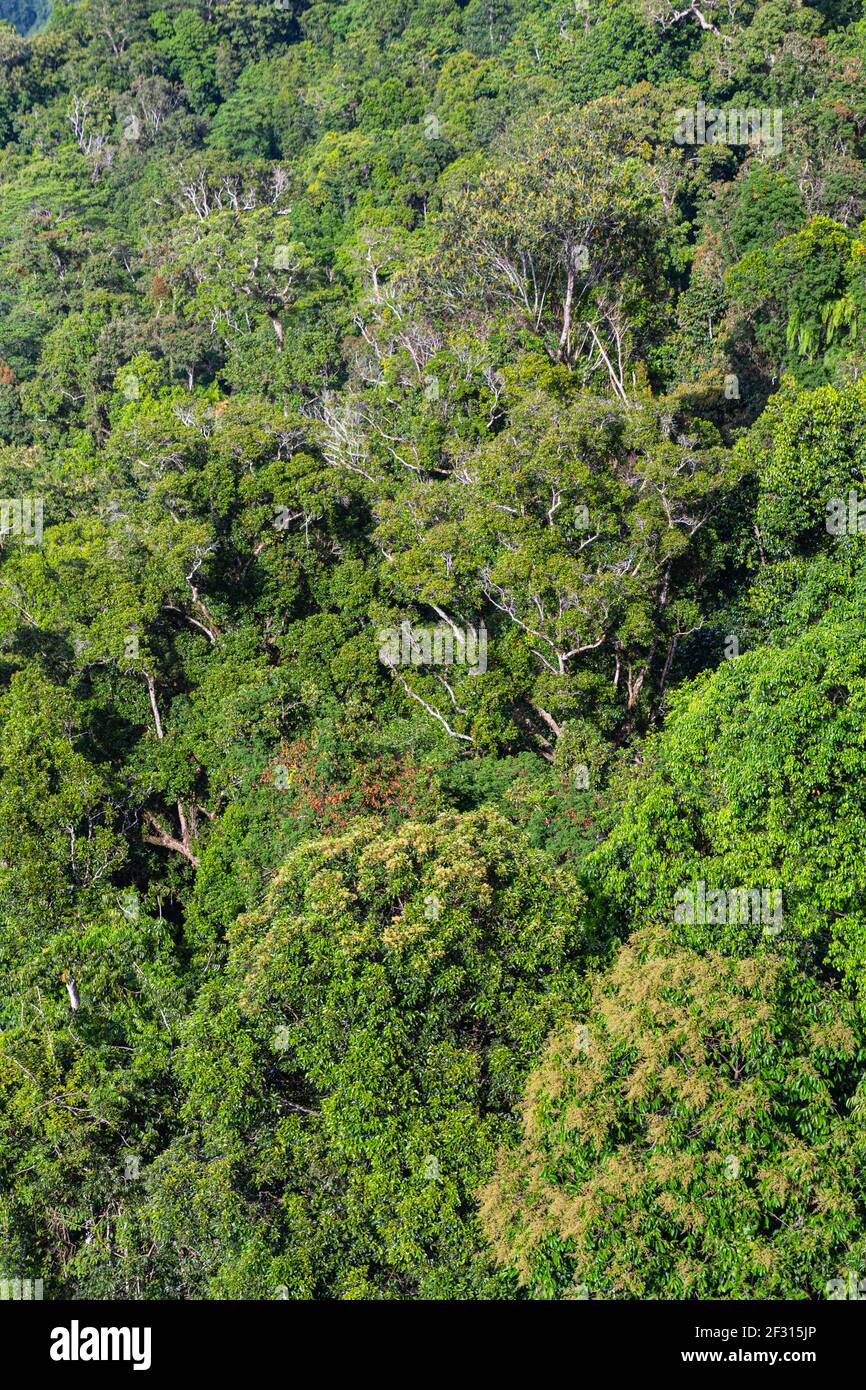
pixel 432 648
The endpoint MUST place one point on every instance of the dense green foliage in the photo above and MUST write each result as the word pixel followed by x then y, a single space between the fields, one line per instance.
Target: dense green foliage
pixel 432 684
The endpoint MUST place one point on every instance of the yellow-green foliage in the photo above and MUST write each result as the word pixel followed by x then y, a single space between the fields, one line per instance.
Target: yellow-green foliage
pixel 698 1135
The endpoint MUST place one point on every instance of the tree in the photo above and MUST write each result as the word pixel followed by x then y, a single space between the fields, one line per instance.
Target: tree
pixel 569 233
pixel 803 300
pixel 755 785
pixel 583 536
pixel 350 1074
pixel 236 268
pixel 699 1136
